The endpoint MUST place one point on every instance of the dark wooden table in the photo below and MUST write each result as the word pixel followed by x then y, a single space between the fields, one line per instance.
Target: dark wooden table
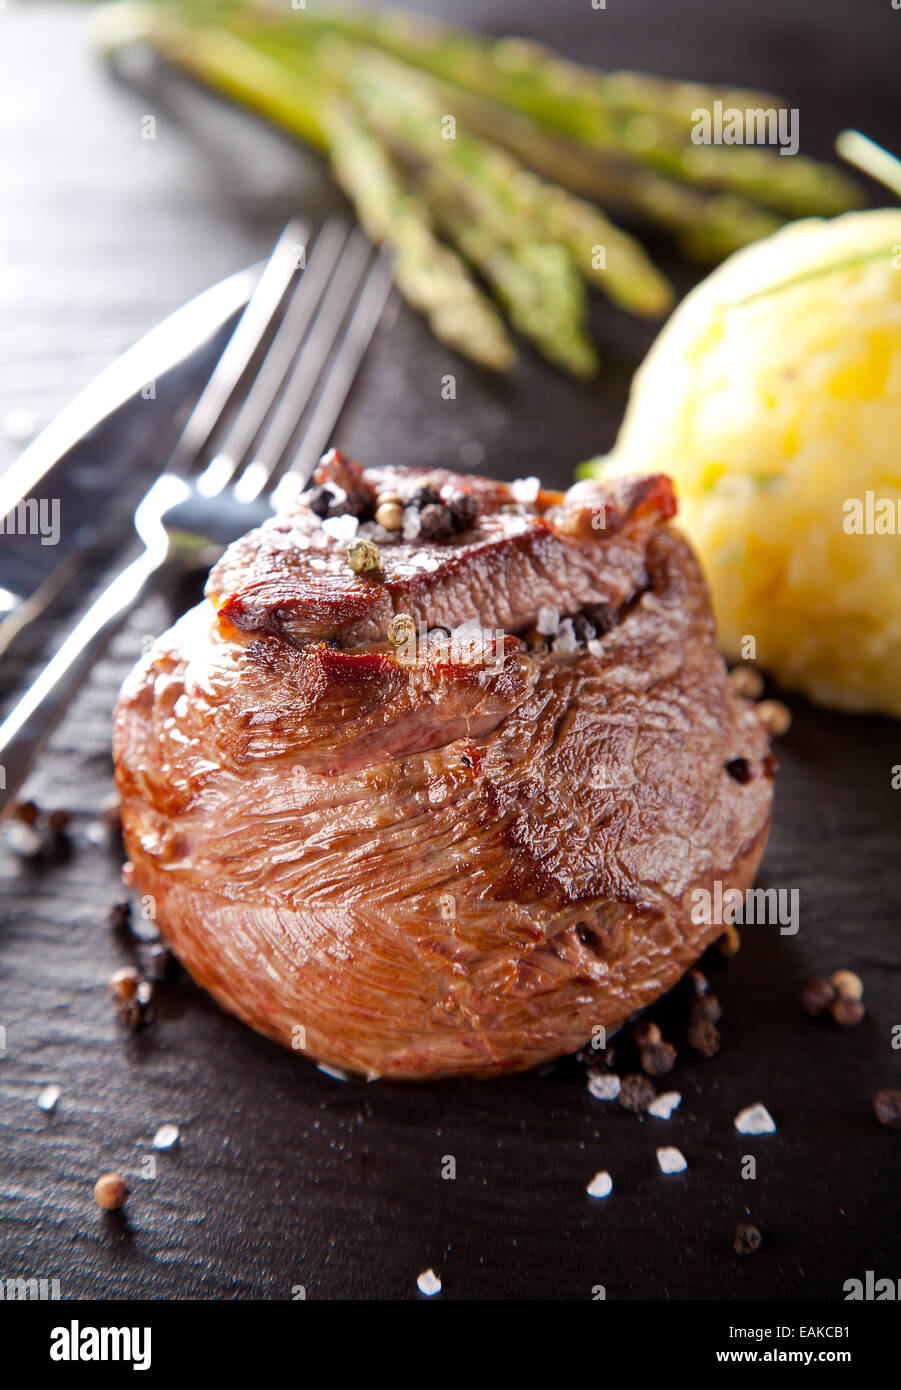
pixel 285 1177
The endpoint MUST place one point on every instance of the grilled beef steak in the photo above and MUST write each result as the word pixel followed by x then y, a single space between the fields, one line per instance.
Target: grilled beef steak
pixel 457 848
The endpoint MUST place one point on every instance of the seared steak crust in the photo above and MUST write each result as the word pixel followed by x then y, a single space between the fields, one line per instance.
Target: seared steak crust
pixel 459 858
pixel 291 580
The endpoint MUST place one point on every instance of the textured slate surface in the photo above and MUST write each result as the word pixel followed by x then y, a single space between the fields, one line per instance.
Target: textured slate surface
pixel 285 1177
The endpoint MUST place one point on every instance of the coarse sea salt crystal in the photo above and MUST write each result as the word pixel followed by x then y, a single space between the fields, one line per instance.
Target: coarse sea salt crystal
pixel 341 528
pixel 318 565
pixel 548 620
pixel 48 1098
pixel 601 1185
pixel 423 560
pixel 755 1119
pixel 604 1085
pixel 166 1137
pixel 665 1104
pixel 526 490
pixel 428 1283
pixel 597 648
pixel 671 1160
pixel 332 1071
pixel 565 643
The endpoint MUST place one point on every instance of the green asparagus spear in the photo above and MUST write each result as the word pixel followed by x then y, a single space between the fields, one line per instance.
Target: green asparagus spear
pixel 708 225
pixel 355 84
pixel 290 95
pixel 646 118
pixel 283 82
pixel 536 282
pixel 429 275
pixel 516 204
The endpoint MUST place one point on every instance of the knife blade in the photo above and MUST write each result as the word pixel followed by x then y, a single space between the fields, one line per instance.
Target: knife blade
pixel 65 480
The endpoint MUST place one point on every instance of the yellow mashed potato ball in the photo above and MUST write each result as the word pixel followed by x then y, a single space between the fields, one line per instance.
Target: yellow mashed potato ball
pixel 773 398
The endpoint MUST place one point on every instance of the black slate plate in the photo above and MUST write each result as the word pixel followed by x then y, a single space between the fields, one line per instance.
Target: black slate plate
pixel 285 1177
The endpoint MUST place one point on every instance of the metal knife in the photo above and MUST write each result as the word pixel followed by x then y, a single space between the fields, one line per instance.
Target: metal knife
pixel 68 467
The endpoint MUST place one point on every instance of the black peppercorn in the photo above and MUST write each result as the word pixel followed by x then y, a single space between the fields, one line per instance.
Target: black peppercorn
pixel 584 629
pixel 156 960
pixel 887 1108
pixel 319 500
pixel 56 843
pixel 817 996
pixel 747 1240
pixel 464 509
pixel 358 504
pixel 436 521
pixel 706 1008
pixel 636 1093
pixel 704 1038
pixel 658 1058
pixel 425 495
pixel 603 617
pixel 119 916
pixel 536 642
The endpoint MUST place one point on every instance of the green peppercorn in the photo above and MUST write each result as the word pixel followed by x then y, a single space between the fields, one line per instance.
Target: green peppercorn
pixel 363 556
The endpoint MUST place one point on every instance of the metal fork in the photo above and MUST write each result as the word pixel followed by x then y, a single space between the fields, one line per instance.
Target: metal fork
pixel 279 425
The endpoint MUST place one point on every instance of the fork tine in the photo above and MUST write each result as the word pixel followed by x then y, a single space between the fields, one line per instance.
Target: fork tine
pixel 273 371
pixel 312 362
pixel 259 311
pixel 343 371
